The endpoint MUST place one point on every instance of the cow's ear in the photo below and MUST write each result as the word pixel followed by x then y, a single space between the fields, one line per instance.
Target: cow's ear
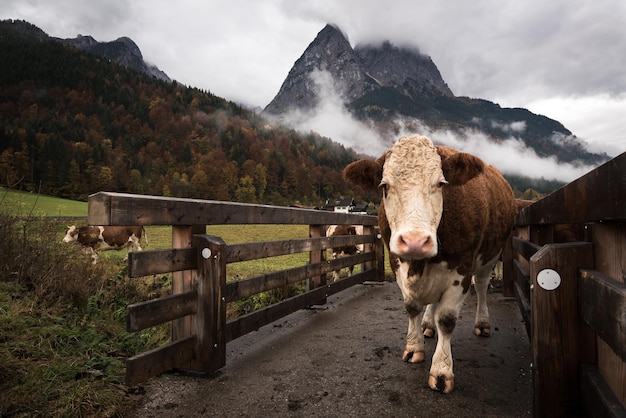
pixel 365 173
pixel 460 168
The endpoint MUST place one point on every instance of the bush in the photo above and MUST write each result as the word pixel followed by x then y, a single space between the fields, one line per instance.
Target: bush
pixel 62 325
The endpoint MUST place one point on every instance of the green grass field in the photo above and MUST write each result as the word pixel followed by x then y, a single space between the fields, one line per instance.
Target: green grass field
pixel 24 204
pixel 31 204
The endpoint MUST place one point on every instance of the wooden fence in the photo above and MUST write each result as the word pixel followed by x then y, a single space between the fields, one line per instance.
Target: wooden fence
pixel 200 292
pixel 567 268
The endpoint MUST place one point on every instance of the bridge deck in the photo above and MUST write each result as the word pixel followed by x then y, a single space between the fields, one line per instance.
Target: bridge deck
pixel 345 360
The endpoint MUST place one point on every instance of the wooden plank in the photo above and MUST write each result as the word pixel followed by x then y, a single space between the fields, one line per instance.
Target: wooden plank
pixel 254 320
pixel 151 363
pixel 525 248
pixel 211 315
pixel 146 263
pixel 522 278
pixel 108 208
pixel 255 250
pixel 603 188
pixel 609 243
pixel 558 333
pixel 602 302
pixel 158 311
pixel 598 398
pixel 264 282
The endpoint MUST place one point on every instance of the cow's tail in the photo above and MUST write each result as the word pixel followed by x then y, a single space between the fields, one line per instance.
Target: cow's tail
pixel 145 235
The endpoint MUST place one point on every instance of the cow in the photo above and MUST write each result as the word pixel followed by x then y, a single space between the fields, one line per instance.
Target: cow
pixel 444 217
pixel 93 238
pixel 337 230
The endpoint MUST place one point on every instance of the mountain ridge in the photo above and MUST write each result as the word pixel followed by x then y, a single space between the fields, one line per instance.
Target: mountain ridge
pixel 123 50
pixel 390 87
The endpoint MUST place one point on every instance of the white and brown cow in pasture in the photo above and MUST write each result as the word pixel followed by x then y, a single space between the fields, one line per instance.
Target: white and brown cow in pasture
pixel 101 238
pixel 338 230
pixel 444 216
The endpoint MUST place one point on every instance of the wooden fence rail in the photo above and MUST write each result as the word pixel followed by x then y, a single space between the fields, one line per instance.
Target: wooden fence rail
pixel 197 306
pixel 566 266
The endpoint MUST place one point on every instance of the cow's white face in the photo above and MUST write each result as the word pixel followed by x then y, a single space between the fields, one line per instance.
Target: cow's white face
pixel 71 234
pixel 412 181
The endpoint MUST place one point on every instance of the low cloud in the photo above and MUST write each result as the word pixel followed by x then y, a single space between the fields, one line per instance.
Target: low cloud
pixel 330 118
pixel 510 156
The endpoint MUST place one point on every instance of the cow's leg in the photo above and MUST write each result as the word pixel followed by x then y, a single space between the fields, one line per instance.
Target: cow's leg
pixel 91 252
pixel 428 324
pixel 441 374
pixel 134 241
pixel 414 350
pixel 482 277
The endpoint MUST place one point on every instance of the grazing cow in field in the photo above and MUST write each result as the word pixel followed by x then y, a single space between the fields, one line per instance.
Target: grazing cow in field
pixel 93 238
pixel 337 230
pixel 444 216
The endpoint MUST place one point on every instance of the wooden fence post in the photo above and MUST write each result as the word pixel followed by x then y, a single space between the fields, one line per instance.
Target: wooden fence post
pixel 379 246
pixel 183 281
pixel 508 278
pixel 211 314
pixel 558 333
pixel 316 231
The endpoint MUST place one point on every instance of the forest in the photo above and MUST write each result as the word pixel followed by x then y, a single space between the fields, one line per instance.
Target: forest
pixel 72 124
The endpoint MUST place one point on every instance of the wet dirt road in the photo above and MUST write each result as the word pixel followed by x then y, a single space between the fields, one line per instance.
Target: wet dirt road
pixel 344 360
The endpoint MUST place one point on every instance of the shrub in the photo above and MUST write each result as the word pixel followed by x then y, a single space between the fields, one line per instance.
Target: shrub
pixel 62 325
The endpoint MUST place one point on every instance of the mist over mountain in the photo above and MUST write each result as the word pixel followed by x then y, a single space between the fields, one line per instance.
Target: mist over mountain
pixel 367 96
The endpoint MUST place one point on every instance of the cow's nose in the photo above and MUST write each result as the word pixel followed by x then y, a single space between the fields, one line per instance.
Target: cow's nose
pixel 415 245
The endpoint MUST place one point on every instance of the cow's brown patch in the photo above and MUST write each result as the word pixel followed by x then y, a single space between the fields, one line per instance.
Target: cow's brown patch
pixel 446 323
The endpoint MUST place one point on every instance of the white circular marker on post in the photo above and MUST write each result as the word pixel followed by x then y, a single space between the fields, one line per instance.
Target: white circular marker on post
pixel 548 279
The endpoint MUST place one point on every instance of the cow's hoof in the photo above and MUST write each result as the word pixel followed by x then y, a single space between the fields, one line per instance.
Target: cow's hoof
pixel 428 332
pixel 413 356
pixel 441 383
pixel 482 331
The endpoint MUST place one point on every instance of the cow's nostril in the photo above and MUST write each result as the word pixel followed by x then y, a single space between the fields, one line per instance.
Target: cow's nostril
pixel 415 245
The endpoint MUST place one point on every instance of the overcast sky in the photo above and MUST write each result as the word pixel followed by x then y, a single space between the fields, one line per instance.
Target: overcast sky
pixel 565 59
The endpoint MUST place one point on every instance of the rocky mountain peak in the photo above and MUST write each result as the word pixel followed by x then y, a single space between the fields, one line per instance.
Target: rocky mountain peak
pixel 354 72
pixel 393 66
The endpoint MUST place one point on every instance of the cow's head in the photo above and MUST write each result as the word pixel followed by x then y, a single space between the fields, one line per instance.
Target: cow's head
pixel 411 176
pixel 71 234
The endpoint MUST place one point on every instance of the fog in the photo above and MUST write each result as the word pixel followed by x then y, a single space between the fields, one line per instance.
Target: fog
pixel 331 119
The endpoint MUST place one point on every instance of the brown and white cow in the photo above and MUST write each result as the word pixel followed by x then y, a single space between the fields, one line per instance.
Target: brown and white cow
pixel 444 216
pixel 337 230
pixel 94 238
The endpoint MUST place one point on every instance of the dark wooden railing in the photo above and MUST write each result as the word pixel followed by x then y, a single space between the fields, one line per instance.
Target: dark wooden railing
pixel 567 268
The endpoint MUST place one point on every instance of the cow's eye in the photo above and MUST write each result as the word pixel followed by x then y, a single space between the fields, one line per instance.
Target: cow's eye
pixel 441 183
pixel 384 188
